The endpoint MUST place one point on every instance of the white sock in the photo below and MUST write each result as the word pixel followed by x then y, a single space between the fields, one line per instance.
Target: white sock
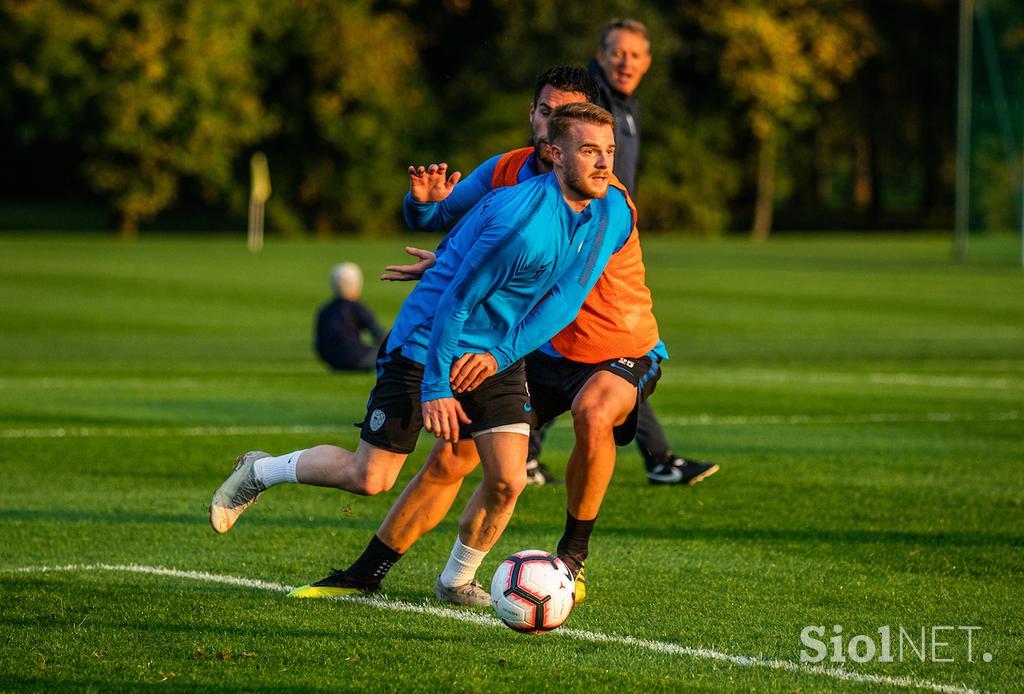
pixel 462 565
pixel 271 471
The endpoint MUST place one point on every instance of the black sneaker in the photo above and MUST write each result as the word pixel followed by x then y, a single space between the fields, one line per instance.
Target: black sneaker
pixel 539 475
pixel 338 583
pixel 681 471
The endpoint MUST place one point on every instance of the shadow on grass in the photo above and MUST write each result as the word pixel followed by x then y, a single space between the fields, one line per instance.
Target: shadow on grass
pixel 808 535
pixel 186 519
pixel 57 683
pixel 811 535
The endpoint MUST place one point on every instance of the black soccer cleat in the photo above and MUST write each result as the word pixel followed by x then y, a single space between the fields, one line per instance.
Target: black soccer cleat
pixel 337 584
pixel 681 471
pixel 579 576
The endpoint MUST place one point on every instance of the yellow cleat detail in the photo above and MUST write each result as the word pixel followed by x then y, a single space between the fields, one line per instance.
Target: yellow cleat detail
pixel 580 586
pixel 311 591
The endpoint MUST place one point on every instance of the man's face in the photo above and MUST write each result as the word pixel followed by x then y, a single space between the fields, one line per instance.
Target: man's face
pixel 585 157
pixel 549 99
pixel 624 59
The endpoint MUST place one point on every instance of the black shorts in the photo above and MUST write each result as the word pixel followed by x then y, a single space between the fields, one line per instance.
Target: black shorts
pixel 555 381
pixel 394 413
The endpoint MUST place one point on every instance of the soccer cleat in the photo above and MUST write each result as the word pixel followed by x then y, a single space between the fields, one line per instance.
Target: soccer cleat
pixel 681 471
pixel 537 474
pixel 470 594
pixel 237 493
pixel 337 584
pixel 580 586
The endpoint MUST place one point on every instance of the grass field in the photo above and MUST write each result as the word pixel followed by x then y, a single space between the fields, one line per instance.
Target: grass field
pixel 864 397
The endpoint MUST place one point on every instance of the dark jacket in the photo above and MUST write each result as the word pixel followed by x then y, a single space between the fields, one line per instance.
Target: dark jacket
pixel 626 110
pixel 339 325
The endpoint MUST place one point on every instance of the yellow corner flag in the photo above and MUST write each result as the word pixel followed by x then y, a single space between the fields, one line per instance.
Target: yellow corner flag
pixel 258 194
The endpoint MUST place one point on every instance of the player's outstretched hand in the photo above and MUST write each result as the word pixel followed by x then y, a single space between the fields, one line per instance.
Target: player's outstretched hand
pixel 441 418
pixel 407 273
pixel 431 183
pixel 471 370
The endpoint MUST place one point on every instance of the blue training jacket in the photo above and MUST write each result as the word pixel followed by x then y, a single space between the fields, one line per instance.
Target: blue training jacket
pixel 485 291
pixel 432 216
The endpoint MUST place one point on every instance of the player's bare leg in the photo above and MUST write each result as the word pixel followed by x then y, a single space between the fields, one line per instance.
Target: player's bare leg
pixel 490 508
pixel 429 495
pixel 601 405
pixel 485 517
pixel 424 503
pixel 368 470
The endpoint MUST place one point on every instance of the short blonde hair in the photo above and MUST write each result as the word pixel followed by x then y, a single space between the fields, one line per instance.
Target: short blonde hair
pixel 564 117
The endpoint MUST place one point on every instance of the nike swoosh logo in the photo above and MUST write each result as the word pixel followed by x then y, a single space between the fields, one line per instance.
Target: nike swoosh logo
pixel 673 475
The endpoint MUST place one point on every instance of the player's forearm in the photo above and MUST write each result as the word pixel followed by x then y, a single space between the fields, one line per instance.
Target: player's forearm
pixel 444 341
pixel 432 216
pixel 420 216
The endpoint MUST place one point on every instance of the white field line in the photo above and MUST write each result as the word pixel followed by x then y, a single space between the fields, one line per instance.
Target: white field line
pixel 693 420
pixel 663 647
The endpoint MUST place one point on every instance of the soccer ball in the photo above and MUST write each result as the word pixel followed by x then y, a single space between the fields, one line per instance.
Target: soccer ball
pixel 533 591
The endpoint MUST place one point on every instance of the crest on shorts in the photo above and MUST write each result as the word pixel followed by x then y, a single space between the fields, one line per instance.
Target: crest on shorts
pixel 377 420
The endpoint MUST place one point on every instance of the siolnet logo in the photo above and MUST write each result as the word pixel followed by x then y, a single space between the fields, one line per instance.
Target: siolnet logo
pixel 936 644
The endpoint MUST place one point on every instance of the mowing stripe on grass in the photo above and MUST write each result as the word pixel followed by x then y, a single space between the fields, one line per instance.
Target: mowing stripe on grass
pixel 160 432
pixel 693 420
pixel 681 375
pixel 483 620
pixel 741 376
pixel 825 419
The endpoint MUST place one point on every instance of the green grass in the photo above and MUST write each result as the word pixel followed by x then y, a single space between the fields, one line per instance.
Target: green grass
pixel 784 357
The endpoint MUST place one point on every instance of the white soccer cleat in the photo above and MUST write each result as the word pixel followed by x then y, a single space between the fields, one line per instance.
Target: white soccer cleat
pixel 237 493
pixel 470 594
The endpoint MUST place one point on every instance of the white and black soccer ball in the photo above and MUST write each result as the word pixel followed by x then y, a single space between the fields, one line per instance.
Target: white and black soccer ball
pixel 533 591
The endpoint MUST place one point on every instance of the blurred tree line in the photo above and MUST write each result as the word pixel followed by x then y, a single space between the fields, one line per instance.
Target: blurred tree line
pixel 795 113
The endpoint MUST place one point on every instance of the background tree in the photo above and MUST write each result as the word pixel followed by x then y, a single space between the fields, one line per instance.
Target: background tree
pixel 150 92
pixel 343 80
pixel 781 59
pixel 817 113
pixel 484 57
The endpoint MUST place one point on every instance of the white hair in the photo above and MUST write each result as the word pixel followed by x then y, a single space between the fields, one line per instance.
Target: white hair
pixel 347 280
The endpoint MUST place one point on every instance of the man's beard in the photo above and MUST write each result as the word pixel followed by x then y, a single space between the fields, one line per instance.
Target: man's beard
pixel 579 184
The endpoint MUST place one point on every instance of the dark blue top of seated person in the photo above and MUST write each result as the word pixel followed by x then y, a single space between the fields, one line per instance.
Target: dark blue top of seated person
pixel 344 324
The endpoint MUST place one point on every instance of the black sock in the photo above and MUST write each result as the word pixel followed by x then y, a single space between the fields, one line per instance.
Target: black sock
pixel 374 563
pixel 574 546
